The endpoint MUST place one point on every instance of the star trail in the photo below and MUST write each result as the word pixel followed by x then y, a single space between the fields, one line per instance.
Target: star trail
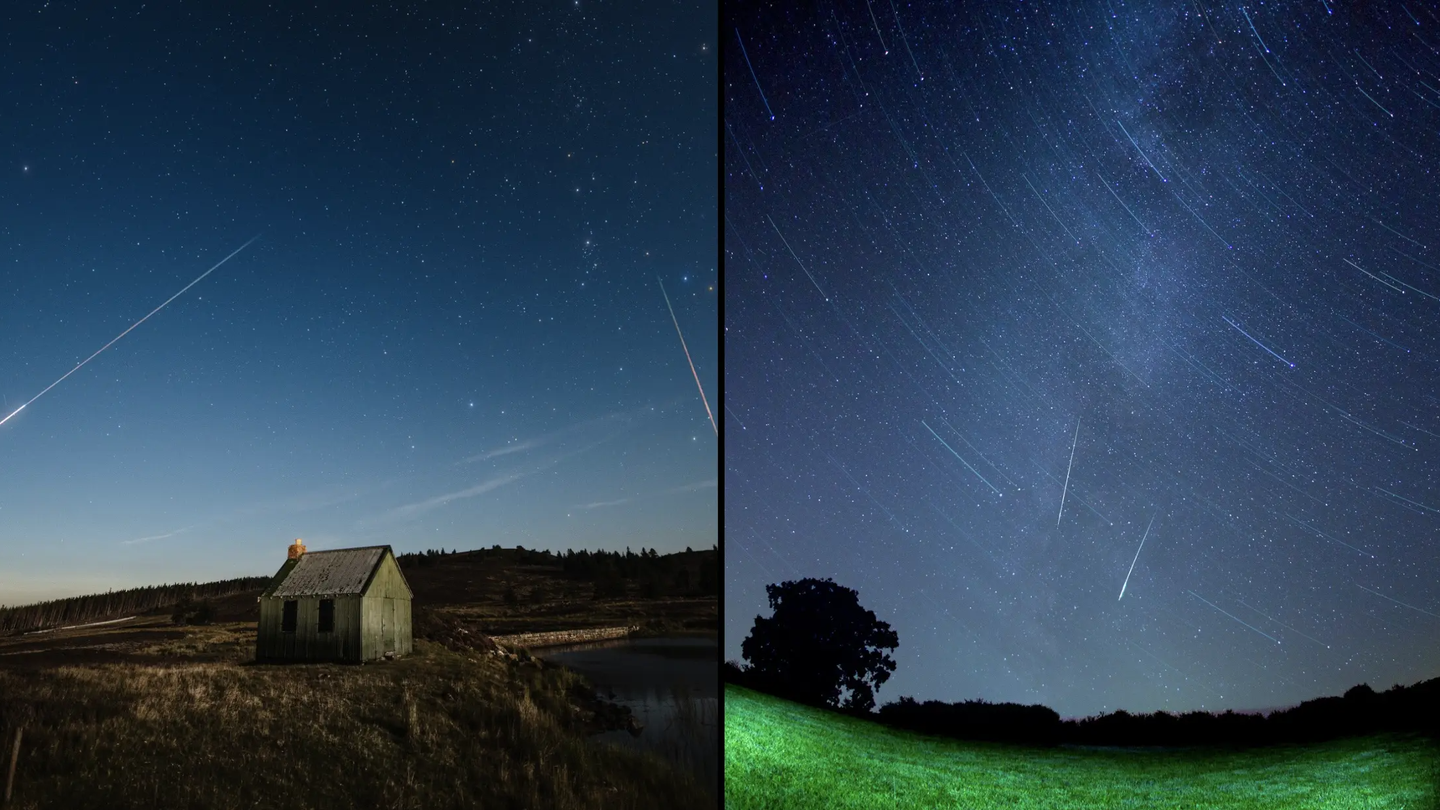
pixel 1194 240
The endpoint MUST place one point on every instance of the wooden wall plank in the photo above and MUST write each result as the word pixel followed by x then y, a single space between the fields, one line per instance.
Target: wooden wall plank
pixel 365 628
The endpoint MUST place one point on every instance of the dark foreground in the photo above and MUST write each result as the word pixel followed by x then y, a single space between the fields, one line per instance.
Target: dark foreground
pixel 154 717
pixel 672 688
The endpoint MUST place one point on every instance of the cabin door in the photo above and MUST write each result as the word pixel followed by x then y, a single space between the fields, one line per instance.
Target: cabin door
pixel 387 625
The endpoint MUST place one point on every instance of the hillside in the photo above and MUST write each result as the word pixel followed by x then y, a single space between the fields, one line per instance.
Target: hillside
pixel 784 756
pixel 504 591
pixel 197 725
pixel 1361 711
pixel 139 711
pixel 144 712
pixel 116 604
pixel 494 591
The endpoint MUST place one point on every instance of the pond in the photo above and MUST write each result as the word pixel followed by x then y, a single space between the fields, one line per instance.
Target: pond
pixel 671 684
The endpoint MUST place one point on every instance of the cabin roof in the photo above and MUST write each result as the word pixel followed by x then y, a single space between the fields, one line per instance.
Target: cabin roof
pixel 328 573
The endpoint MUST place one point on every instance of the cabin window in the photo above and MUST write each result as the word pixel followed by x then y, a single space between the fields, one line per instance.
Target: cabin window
pixel 288 618
pixel 327 615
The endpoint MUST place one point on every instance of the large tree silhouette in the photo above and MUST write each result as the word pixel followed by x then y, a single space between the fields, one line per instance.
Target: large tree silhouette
pixel 818 642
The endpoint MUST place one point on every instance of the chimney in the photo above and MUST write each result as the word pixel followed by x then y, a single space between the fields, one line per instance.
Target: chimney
pixel 296 549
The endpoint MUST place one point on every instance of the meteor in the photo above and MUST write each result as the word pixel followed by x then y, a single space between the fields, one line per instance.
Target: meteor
pixel 708 413
pixel 1137 558
pixel 1068 467
pixel 1262 345
pixel 962 460
pixel 1396 601
pixel 127 331
pixel 1252 627
pixel 752 72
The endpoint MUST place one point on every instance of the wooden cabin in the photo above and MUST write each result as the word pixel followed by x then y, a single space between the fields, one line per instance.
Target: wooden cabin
pixel 350 604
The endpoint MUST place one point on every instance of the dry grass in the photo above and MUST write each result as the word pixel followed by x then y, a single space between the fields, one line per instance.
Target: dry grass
pixel 233 642
pixel 435 730
pixel 670 616
pixel 146 714
pixel 694 743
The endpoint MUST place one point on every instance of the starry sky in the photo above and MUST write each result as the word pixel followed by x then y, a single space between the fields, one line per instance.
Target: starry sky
pixel 1029 307
pixel 450 331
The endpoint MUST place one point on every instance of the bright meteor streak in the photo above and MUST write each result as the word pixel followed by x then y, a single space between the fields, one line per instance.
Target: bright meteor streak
pixel 127 331
pixel 1258 343
pixel 1068 467
pixel 708 413
pixel 1137 559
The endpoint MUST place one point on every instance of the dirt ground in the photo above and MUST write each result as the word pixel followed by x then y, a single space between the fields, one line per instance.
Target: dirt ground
pixel 142 640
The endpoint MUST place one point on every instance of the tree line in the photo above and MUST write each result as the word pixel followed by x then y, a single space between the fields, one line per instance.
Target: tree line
pixel 1360 711
pixel 655 574
pixel 821 648
pixel 613 572
pixel 117 604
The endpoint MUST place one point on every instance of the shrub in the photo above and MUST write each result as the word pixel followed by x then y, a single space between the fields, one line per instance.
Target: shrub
pixel 204 613
pixel 609 587
pixel 183 609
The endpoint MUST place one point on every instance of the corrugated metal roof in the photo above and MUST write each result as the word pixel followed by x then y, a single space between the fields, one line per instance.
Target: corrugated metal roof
pixel 330 573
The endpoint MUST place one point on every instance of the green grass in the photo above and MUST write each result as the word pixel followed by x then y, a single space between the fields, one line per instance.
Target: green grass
pixel 783 756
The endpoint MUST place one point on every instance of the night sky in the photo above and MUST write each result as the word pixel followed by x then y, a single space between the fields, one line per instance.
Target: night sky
pixel 1197 245
pixel 450 332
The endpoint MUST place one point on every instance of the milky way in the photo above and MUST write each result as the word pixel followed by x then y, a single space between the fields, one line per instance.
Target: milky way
pixel 1195 243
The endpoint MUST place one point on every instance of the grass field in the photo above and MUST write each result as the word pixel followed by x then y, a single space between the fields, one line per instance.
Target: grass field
pixel 200 726
pixel 784 756
pixel 140 713
pixel 495 592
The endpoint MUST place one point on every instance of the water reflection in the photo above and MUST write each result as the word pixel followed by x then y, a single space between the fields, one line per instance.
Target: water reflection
pixel 671 684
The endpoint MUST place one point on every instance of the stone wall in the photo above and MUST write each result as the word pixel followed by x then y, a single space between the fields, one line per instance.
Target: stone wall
pixel 566 636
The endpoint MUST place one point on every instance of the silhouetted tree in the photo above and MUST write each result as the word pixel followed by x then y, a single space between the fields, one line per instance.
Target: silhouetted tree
pixel 609 585
pixel 1360 693
pixel 183 608
pixel 975 720
pixel 709 577
pixel 188 611
pixel 818 642
pixel 204 613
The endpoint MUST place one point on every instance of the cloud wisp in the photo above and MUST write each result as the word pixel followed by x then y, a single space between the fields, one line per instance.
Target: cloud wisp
pixel 602 504
pixel 624 418
pixel 155 537
pixel 709 483
pixel 490 484
pixel 420 507
pixel 517 447
pixel 621 421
